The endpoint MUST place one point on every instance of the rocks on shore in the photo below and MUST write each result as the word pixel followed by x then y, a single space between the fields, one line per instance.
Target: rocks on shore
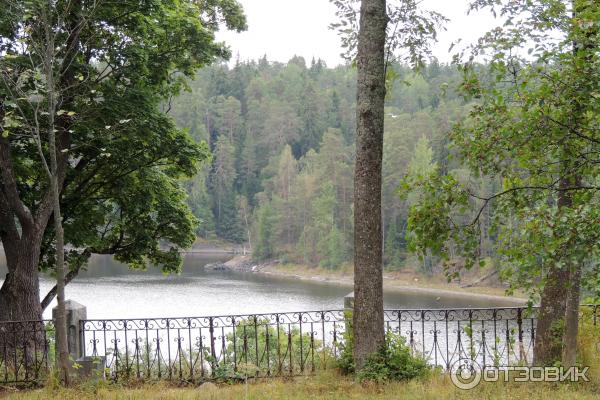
pixel 239 264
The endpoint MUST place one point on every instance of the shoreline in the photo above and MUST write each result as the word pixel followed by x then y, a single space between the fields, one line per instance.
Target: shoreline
pixel 393 285
pixel 244 264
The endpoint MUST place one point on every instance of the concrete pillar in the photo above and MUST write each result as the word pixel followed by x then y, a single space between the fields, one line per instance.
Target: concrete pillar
pixel 349 301
pixel 82 367
pixel 75 313
pixel 348 314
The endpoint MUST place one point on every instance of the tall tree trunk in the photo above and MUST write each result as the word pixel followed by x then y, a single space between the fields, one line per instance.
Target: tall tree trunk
pixel 569 353
pixel 550 321
pixel 61 324
pixel 61 320
pixel 368 321
pixel 550 328
pixel 571 332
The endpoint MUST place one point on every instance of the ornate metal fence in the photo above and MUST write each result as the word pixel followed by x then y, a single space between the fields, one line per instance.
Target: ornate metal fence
pixel 288 344
pixel 26 351
pixel 492 337
pixel 231 347
pixel 265 345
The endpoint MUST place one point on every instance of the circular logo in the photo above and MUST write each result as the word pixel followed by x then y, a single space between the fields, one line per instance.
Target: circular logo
pixel 465 374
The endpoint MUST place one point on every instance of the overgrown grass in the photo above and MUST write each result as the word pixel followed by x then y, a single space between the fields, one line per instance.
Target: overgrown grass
pixel 323 386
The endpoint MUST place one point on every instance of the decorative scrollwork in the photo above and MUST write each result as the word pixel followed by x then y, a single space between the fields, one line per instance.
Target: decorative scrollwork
pixel 289 342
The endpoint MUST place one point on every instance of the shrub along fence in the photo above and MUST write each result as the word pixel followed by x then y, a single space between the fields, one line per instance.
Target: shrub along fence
pixel 237 347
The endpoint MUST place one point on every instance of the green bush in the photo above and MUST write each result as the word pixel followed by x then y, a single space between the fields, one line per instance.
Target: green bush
pixel 264 348
pixel 345 362
pixel 393 362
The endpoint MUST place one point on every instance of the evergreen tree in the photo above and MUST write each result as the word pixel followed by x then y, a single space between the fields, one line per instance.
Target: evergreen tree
pixel 285 133
pixel 265 232
pixel 223 176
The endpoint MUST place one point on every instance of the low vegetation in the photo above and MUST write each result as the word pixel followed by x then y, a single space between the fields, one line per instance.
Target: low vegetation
pixel 323 386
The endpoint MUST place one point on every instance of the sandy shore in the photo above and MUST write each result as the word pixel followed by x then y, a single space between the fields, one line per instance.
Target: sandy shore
pixel 391 283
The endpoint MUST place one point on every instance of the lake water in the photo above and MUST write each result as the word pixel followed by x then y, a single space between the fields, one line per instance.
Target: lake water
pixel 110 290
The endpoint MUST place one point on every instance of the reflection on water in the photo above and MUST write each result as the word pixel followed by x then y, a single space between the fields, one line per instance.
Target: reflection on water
pixel 110 290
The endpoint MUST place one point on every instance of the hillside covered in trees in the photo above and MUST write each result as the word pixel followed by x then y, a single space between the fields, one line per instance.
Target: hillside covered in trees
pixel 282 139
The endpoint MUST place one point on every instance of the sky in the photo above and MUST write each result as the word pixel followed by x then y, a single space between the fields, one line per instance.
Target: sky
pixel 284 28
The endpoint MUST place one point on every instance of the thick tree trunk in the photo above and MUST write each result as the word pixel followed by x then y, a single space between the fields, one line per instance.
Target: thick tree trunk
pixel 20 301
pixel 20 292
pixel 368 321
pixel 550 321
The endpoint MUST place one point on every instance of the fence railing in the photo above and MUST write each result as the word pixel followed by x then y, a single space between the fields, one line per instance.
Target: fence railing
pixel 235 346
pixel 26 351
pixel 194 349
pixel 288 344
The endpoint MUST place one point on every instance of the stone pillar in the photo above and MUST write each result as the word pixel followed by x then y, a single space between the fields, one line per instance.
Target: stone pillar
pixel 348 313
pixel 83 367
pixel 75 313
pixel 349 301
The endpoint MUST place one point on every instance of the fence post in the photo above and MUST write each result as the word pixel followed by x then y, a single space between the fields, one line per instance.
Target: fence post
pixel 75 313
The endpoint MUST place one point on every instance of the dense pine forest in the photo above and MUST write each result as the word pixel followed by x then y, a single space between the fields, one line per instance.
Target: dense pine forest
pixel 282 140
pixel 128 136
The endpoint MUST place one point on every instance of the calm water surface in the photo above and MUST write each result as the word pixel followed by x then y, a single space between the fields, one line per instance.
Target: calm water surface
pixel 110 290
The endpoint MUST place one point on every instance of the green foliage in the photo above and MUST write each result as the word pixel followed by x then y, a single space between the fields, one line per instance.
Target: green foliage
pixel 532 132
pixel 259 347
pixel 393 362
pixel 394 243
pixel 288 146
pixel 592 284
pixel 263 248
pixel 411 30
pixel 332 248
pixel 345 362
pixel 123 157
pixel 200 202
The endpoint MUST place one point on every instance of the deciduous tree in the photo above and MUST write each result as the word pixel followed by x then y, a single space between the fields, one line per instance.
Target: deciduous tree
pixel 534 127
pixel 119 158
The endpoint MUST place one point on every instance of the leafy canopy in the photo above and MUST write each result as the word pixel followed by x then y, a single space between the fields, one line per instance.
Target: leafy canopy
pixel 534 125
pixel 122 158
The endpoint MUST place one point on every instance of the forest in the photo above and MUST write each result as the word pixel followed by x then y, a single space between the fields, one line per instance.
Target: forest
pixel 127 132
pixel 282 143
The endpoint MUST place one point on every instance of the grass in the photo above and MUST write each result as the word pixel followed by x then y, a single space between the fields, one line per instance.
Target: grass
pixel 324 386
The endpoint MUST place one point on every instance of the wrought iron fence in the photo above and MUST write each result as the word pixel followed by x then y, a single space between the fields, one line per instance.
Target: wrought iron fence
pixel 26 351
pixel 288 344
pixel 231 347
pixel 492 337
pixel 266 345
